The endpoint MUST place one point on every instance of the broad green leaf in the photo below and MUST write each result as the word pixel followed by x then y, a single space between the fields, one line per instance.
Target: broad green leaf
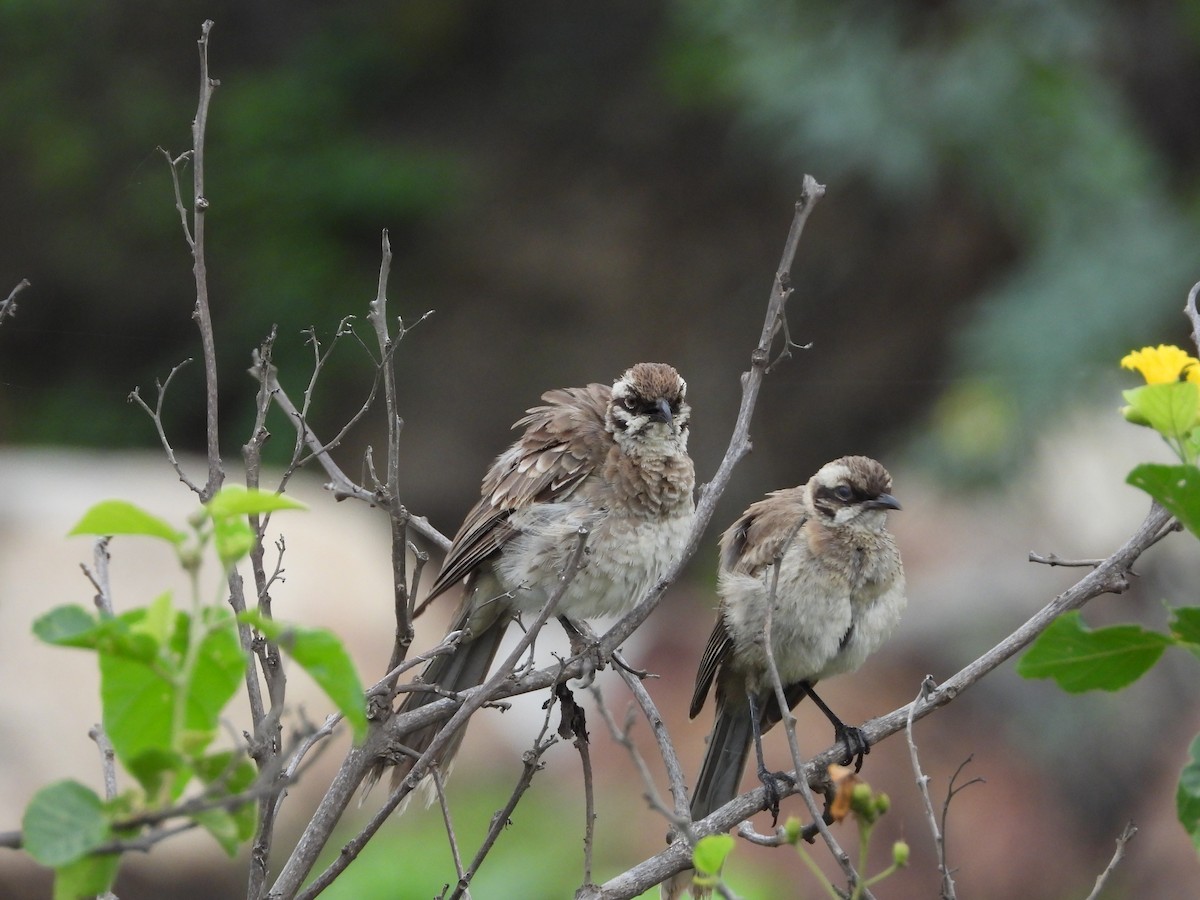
pixel 139 697
pixel 1187 795
pixel 138 700
pixel 222 826
pixel 159 621
pixel 235 774
pixel 111 517
pixel 74 626
pixel 153 767
pixel 232 771
pixel 220 669
pixel 233 538
pixel 1081 659
pixel 63 822
pixel 67 626
pixel 321 654
pixel 710 853
pixel 235 500
pixel 1185 626
pixel 86 877
pixel 1170 409
pixel 1177 488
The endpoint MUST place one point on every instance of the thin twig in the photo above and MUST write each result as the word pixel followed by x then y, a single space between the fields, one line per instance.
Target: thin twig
pixel 303 750
pixel 108 759
pixel 262 786
pixel 402 602
pixel 440 787
pixel 342 485
pixel 1126 835
pixel 952 790
pixel 98 576
pixel 928 685
pixel 622 735
pixel 144 843
pixel 203 314
pixel 778 839
pixel 675 777
pixel 531 764
pixel 267 742
pixel 156 417
pixel 1053 559
pixel 574 725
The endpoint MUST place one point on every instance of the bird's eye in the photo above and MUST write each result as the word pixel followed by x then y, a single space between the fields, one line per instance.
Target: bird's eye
pixel 630 403
pixel 843 492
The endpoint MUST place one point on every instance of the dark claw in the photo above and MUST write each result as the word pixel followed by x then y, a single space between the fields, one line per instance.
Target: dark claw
pixel 770 782
pixel 855 742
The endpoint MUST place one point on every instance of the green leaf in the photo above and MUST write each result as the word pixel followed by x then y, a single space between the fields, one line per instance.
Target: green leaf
pixel 231 770
pixel 321 654
pixel 1187 795
pixel 233 773
pixel 74 626
pixel 86 877
pixel 235 500
pixel 222 826
pixel 1177 488
pixel 138 702
pixel 220 669
pixel 1185 627
pixel 67 626
pixel 159 621
pixel 711 852
pixel 233 538
pixel 1170 409
pixel 152 767
pixel 110 517
pixel 63 822
pixel 228 509
pixel 1080 659
pixel 139 696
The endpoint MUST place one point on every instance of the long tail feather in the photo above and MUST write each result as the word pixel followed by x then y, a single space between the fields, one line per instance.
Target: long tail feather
pixel 466 667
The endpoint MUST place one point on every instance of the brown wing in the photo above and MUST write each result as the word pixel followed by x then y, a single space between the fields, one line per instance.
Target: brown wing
pixel 763 531
pixel 718 647
pixel 748 546
pixel 564 441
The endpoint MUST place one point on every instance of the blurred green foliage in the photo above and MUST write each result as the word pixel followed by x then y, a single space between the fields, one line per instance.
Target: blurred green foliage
pixel 1062 134
pixel 304 172
pixel 538 855
pixel 1026 107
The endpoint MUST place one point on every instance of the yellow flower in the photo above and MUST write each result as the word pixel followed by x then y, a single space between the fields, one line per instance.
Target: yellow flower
pixel 1163 364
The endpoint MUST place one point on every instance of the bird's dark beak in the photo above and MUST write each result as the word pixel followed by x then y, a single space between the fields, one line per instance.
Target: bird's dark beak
pixel 664 413
pixel 883 501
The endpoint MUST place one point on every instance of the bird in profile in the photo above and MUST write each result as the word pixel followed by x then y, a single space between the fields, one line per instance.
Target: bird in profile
pixel 837 594
pixel 613 461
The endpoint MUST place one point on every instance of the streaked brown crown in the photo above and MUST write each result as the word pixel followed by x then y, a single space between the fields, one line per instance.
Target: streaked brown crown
pixel 850 481
pixel 649 392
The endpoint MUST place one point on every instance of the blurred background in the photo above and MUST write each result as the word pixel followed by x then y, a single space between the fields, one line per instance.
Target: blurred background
pixel 1012 205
